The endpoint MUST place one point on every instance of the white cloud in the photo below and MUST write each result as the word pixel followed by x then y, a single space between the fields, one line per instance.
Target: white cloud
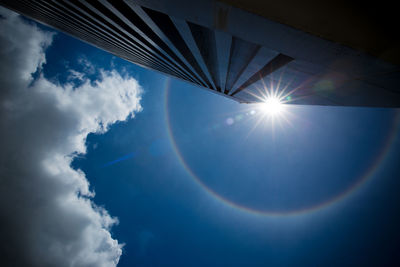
pixel 47 215
pixel 73 74
pixel 87 65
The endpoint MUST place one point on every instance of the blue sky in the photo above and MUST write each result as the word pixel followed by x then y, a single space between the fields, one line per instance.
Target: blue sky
pixel 168 218
pixel 195 181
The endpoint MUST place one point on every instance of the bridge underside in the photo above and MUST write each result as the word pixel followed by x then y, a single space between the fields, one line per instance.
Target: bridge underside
pixel 235 53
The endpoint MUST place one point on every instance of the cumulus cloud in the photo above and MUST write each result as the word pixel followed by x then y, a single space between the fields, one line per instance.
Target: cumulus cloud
pixel 48 217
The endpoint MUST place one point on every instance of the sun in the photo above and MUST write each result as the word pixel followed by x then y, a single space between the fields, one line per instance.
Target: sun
pixel 272 106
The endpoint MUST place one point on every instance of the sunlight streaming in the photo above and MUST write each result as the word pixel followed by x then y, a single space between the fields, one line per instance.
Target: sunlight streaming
pixel 272 106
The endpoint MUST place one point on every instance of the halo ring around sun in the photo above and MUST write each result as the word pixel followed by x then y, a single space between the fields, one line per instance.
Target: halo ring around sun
pixel 368 174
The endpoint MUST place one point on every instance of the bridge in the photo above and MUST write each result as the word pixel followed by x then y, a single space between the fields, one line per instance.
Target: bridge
pixel 303 52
